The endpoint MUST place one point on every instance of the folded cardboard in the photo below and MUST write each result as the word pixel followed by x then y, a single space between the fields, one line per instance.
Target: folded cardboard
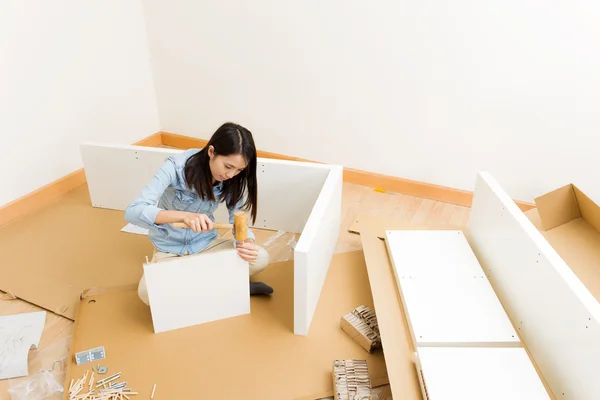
pixel 351 380
pixel 570 222
pixel 50 257
pixel 361 325
pixel 254 356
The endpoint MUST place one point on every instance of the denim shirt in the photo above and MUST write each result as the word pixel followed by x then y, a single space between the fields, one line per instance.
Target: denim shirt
pixel 168 191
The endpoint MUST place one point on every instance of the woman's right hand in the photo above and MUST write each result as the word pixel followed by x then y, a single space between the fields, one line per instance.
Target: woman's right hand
pixel 198 222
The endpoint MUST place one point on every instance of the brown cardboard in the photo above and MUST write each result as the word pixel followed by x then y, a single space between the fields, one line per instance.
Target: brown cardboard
pixel 51 256
pixel 361 325
pixel 255 356
pixel 570 222
pixel 351 380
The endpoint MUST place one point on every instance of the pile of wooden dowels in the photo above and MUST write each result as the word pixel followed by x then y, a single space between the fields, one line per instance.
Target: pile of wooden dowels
pixel 361 325
pixel 104 389
pixel 351 380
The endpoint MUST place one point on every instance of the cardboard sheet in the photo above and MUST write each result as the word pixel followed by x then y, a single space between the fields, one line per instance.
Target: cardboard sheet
pixel 570 222
pixel 255 356
pixel 50 257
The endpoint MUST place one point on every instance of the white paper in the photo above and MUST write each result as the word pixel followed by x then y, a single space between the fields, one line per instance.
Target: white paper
pixel 192 290
pixel 130 228
pixel 18 334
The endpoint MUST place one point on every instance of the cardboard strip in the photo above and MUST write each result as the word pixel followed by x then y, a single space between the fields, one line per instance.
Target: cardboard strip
pixel 255 356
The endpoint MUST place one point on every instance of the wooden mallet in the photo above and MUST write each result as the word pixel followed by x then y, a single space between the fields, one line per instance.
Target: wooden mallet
pixel 240 223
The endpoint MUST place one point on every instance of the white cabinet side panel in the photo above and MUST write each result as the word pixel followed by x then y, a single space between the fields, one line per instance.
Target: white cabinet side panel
pixel 192 290
pixel 431 253
pixel 479 373
pixel 446 296
pixel 459 311
pixel 557 317
pixel 315 249
pixel 287 192
pixel 116 174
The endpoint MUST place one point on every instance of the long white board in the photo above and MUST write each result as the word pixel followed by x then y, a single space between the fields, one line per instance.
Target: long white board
pixel 446 296
pixel 478 374
pixel 557 317
pixel 314 251
pixel 192 290
pixel 287 190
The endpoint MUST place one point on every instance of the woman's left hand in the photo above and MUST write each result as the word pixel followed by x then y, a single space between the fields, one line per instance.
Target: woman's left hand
pixel 248 250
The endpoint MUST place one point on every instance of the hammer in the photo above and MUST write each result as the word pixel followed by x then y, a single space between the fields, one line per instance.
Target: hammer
pixel 239 222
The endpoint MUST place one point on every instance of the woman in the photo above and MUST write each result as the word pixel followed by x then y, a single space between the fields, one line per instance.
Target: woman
pixel 188 188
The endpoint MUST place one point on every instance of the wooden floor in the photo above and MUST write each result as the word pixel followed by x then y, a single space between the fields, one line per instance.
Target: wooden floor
pixel 356 200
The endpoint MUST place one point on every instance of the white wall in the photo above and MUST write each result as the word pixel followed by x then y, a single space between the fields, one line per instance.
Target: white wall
pixel 69 71
pixel 430 91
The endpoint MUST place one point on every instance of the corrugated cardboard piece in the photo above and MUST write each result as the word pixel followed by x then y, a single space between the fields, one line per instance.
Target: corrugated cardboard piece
pixel 570 222
pixel 52 256
pixel 254 356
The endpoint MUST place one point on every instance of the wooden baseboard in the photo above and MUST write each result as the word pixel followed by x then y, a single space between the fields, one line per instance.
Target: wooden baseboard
pixel 370 179
pixel 54 190
pixel 60 187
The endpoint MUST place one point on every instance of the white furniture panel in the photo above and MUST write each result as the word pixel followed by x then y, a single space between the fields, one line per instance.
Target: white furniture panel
pixel 478 374
pixel 315 249
pixel 557 317
pixel 116 174
pixel 446 296
pixel 456 311
pixel 192 290
pixel 431 253
pixel 287 190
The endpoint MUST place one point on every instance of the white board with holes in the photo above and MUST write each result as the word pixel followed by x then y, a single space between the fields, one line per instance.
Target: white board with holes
pixel 193 290
pixel 557 317
pixel 478 374
pixel 447 298
pixel 287 190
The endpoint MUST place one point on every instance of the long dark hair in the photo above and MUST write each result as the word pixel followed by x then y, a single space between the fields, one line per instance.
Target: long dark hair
pixel 229 139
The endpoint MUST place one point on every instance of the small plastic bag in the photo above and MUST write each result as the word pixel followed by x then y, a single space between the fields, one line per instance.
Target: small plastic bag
pixel 280 246
pixel 47 383
pixel 39 386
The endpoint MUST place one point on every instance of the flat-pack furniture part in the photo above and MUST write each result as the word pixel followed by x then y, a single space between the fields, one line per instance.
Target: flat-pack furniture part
pixel 447 298
pixel 477 373
pixel 187 291
pixel 557 317
pixel 298 197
